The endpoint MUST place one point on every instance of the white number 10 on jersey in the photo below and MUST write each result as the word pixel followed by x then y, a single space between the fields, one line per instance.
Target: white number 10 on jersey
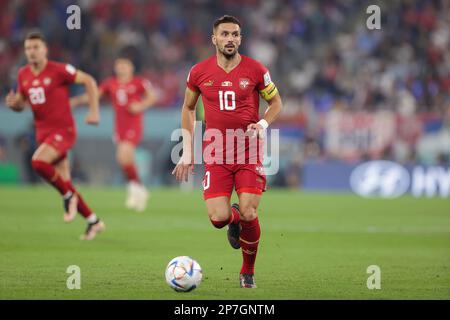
pixel 227 100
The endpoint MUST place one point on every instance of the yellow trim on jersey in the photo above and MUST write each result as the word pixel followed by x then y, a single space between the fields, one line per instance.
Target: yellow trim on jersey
pixel 269 92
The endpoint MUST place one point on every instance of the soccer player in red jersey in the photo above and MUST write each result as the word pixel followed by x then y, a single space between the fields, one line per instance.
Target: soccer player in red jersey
pixel 131 96
pixel 230 85
pixel 44 85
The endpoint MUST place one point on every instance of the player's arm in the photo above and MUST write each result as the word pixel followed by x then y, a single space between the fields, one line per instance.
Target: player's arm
pixel 83 99
pixel 147 102
pixel 273 109
pixel 275 105
pixel 15 101
pixel 186 162
pixel 93 116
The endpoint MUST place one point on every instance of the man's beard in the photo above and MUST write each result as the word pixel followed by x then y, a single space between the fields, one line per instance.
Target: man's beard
pixel 227 55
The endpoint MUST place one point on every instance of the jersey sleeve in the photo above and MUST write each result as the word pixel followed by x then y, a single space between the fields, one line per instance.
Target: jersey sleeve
pixel 191 80
pixel 265 86
pixel 67 73
pixel 20 88
pixel 104 87
pixel 145 85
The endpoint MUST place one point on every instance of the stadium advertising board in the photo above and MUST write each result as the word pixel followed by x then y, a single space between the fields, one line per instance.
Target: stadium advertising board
pixel 378 179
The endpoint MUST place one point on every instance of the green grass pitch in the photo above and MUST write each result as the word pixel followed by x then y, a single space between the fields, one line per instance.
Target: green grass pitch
pixel 313 246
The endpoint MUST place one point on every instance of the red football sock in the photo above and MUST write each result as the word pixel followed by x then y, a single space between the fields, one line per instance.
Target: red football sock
pixel 235 216
pixel 131 173
pixel 83 208
pixel 48 172
pixel 249 240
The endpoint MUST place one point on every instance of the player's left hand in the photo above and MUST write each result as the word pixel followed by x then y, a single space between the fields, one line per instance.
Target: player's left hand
pixel 135 107
pixel 92 118
pixel 255 130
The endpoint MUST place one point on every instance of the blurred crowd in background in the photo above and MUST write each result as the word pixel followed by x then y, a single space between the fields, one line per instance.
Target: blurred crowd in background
pixel 321 54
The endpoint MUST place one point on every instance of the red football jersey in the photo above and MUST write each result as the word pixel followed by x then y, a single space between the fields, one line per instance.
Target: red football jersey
pixel 122 95
pixel 231 100
pixel 48 95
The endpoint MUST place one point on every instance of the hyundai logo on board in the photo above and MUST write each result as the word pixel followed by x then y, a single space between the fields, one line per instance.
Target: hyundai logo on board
pixel 384 179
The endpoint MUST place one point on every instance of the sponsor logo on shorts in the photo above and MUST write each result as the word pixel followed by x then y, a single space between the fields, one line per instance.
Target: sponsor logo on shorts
pixel 260 170
pixel 58 137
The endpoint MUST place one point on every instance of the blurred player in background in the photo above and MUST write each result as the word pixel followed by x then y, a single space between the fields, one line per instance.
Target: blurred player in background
pixel 131 96
pixel 230 85
pixel 44 85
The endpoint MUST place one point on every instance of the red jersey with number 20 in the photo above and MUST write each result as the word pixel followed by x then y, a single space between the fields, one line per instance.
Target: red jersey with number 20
pixel 48 95
pixel 230 99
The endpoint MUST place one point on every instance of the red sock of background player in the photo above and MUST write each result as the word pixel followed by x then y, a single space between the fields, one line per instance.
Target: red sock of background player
pixel 83 208
pixel 48 172
pixel 234 218
pixel 131 174
pixel 249 240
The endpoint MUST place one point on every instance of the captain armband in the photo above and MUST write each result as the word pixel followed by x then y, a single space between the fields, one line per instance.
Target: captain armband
pixel 269 92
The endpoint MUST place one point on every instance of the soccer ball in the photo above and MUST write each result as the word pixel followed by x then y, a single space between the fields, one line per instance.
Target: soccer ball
pixel 183 274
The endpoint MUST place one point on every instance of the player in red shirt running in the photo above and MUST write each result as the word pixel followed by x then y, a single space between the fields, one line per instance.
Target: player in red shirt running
pixel 44 85
pixel 230 85
pixel 131 96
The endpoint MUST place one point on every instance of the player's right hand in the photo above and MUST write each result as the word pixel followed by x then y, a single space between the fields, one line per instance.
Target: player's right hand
pixel 92 118
pixel 183 167
pixel 13 101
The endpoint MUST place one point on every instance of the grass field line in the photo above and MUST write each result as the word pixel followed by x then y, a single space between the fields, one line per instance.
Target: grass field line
pixel 196 225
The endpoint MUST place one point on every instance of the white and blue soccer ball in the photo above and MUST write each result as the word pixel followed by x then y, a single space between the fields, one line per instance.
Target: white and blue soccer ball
pixel 183 274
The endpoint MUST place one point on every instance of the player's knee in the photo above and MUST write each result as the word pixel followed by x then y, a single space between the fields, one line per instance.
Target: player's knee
pixel 121 159
pixel 219 217
pixel 124 159
pixel 248 212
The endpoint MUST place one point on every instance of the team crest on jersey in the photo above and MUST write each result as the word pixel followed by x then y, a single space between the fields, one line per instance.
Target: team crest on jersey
pixel 208 83
pixel 227 84
pixel 243 83
pixel 35 82
pixel 47 81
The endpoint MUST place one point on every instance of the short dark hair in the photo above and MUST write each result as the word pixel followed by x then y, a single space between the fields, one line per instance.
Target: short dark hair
pixel 35 34
pixel 127 53
pixel 124 57
pixel 226 19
